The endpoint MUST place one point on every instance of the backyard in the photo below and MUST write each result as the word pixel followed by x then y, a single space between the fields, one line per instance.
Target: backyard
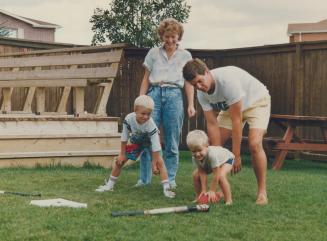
pixel 297 207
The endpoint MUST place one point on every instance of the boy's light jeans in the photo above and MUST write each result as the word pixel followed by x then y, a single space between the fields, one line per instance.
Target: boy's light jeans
pixel 168 112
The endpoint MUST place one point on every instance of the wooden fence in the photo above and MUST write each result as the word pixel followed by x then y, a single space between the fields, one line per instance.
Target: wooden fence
pixel 295 75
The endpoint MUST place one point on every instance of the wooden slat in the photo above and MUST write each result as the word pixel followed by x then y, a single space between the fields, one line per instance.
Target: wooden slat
pixel 301 146
pixel 40 100
pixel 63 99
pixel 60 74
pixel 101 103
pixel 47 113
pixel 6 102
pixel 29 99
pixel 298 117
pixel 58 154
pixel 71 118
pixel 78 161
pixel 60 136
pixel 44 83
pixel 324 133
pixel 79 100
pixel 59 60
pixel 88 49
pixel 280 156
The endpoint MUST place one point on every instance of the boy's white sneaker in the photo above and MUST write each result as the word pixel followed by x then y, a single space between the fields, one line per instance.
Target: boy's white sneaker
pixel 104 188
pixel 173 185
pixel 170 194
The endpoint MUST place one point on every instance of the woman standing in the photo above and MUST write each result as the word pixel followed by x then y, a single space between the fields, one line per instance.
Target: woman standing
pixel 163 81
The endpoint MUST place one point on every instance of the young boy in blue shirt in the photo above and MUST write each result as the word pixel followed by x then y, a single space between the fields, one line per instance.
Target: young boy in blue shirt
pixel 139 133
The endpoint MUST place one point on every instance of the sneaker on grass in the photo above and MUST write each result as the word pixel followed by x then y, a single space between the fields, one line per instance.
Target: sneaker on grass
pixel 140 184
pixel 169 193
pixel 173 185
pixel 104 188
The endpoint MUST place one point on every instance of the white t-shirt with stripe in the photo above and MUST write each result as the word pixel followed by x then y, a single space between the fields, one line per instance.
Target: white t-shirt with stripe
pixel 142 134
pixel 232 84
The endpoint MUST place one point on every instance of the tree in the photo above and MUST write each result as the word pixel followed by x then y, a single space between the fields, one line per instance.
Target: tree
pixel 135 21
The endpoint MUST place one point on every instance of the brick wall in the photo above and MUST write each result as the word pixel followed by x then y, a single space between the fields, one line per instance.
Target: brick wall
pixel 308 37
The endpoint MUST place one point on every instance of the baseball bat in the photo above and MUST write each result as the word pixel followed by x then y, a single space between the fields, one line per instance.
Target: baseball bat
pixel 180 209
pixel 21 194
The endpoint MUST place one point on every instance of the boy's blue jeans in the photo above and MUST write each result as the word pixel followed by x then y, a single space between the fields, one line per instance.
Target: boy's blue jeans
pixel 168 112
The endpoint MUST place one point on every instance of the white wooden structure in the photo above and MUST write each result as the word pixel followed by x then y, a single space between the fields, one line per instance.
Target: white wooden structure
pixel 46 131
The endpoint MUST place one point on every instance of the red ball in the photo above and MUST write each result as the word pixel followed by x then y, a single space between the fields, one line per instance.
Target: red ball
pixel 203 199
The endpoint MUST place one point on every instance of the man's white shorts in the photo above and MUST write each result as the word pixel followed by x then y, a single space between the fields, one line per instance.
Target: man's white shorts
pixel 257 116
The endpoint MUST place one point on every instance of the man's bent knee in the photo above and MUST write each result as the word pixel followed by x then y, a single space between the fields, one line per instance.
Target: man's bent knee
pixel 255 146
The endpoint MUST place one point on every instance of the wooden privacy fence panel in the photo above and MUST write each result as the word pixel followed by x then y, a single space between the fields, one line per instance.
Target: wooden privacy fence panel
pixel 295 75
pixel 71 70
pixel 275 70
pixel 314 90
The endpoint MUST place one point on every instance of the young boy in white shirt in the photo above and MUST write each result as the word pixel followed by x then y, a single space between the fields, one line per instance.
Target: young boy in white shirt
pixel 210 159
pixel 139 132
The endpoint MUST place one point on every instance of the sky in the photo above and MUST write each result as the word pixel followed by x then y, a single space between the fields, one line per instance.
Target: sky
pixel 213 24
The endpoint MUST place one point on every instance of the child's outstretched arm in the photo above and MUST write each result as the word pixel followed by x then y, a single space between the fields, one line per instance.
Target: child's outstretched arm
pixel 156 162
pixel 214 184
pixel 203 179
pixel 158 166
pixel 122 155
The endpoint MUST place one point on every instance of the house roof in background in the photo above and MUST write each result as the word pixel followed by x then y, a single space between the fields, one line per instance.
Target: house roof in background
pixel 35 23
pixel 319 27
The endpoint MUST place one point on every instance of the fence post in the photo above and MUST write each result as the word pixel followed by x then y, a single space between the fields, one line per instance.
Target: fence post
pixel 299 80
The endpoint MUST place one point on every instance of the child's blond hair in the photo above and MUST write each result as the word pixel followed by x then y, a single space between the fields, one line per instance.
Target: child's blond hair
pixel 197 138
pixel 144 101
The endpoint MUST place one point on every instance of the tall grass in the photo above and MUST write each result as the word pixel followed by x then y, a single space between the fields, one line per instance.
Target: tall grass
pixel 297 207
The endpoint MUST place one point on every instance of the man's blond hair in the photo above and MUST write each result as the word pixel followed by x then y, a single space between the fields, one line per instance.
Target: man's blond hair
pixel 144 101
pixel 197 138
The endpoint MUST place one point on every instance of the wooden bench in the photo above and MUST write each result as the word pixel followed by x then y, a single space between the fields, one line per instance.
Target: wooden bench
pixel 68 69
pixel 291 141
pixel 43 106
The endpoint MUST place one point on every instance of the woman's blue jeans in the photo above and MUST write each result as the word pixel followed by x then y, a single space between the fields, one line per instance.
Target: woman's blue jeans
pixel 169 113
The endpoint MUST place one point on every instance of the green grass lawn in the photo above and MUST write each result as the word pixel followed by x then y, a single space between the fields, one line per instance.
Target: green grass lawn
pixel 297 207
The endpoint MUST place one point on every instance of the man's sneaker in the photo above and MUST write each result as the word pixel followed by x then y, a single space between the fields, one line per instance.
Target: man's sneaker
pixel 104 188
pixel 168 193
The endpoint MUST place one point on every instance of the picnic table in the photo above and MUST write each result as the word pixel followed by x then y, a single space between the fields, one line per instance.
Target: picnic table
pixel 291 141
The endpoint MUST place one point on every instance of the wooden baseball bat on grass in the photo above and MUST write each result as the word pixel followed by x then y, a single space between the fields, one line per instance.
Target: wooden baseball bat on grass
pixel 180 209
pixel 20 194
